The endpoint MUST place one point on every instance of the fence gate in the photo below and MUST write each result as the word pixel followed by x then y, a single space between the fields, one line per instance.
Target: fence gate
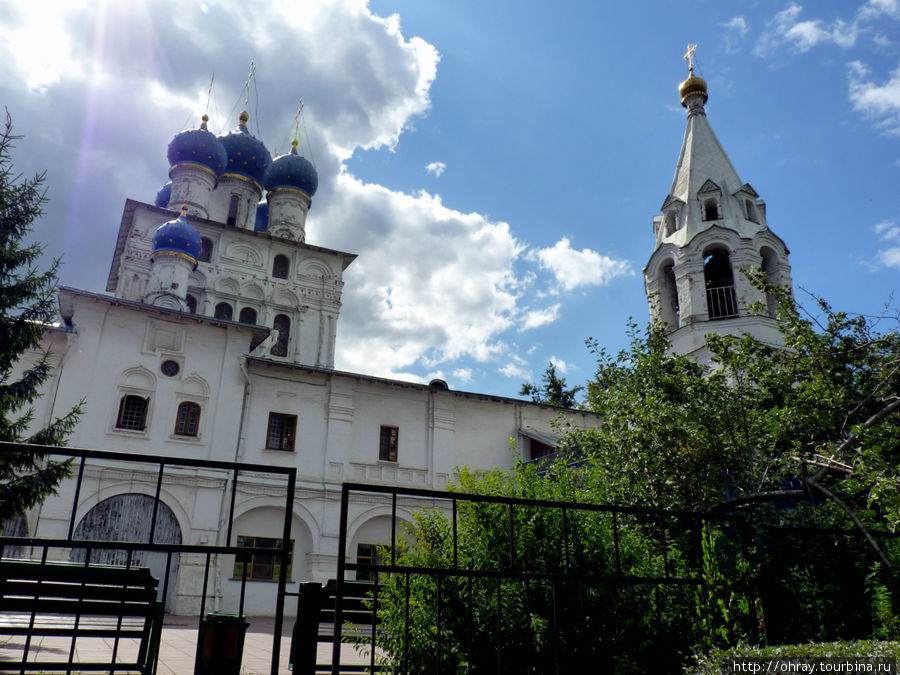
pixel 504 585
pixel 114 536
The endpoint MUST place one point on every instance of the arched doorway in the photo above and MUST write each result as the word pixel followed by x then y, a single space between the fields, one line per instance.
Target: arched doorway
pixel 127 518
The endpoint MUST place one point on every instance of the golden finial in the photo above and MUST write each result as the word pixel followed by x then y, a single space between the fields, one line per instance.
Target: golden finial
pixel 184 210
pixel 244 118
pixel 203 121
pixel 693 85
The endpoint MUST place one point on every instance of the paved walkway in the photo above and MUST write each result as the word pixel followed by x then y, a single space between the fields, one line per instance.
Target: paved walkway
pixel 179 648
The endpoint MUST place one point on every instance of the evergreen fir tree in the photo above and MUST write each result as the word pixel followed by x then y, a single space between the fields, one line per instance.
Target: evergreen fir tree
pixel 27 306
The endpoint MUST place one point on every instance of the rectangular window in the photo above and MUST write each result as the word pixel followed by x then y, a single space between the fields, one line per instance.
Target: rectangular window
pixel 387 449
pixel 188 419
pixel 264 566
pixel 280 434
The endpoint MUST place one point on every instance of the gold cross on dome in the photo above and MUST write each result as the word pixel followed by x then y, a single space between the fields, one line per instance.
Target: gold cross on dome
pixel 689 56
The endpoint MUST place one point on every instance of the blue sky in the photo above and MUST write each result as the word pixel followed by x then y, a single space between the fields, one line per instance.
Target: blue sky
pixel 496 165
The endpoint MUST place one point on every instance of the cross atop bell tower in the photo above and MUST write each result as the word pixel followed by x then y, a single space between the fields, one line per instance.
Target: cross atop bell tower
pixel 712 225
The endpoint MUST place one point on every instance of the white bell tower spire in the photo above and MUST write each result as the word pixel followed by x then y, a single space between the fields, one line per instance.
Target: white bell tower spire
pixel 711 227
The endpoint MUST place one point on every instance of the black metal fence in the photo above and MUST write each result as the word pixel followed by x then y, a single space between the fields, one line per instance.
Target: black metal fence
pixel 503 585
pixel 67 540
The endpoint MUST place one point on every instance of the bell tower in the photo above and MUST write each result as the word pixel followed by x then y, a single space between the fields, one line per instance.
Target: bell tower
pixel 712 225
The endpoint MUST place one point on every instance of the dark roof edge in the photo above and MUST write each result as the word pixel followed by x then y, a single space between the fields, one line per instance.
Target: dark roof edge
pixel 410 385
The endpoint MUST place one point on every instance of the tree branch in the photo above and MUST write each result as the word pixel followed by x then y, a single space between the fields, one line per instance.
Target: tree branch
pixel 862 528
pixel 852 438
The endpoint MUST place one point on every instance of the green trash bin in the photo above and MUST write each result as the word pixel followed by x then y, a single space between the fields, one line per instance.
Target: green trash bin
pixel 220 644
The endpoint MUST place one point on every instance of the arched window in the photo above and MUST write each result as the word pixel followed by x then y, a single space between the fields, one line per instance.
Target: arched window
pixel 232 210
pixel 751 210
pixel 710 210
pixel 282 324
pixel 132 412
pixel 280 267
pixel 206 247
pixel 187 421
pixel 668 296
pixel 247 315
pixel 770 268
pixel 721 302
pixel 671 222
pixel 223 311
pixel 191 303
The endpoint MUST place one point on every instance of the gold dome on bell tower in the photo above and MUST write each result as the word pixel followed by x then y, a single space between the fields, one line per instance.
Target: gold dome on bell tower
pixel 693 84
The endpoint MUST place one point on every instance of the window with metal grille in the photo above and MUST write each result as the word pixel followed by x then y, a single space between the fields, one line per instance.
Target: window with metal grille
pixel 187 422
pixel 264 566
pixel 387 449
pixel 132 412
pixel 281 430
pixel 282 324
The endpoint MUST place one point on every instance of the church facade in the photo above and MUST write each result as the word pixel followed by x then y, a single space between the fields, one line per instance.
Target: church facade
pixel 215 340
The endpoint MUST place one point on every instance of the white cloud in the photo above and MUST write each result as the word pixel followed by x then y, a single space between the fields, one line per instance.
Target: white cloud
pixel 39 42
pixel 735 29
pixel 435 168
pixel 540 317
pixel 573 269
pixel 888 231
pixel 516 368
pixel 786 29
pixel 879 102
pixel 876 9
pixel 560 365
pixel 434 289
pixel 450 276
pixel 737 25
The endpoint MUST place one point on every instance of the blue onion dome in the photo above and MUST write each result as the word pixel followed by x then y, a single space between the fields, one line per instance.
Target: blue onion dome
pixel 177 237
pixel 292 171
pixel 164 195
pixel 262 216
pixel 247 156
pixel 198 146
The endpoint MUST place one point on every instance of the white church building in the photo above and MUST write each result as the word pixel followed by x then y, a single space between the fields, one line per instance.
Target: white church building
pixel 216 340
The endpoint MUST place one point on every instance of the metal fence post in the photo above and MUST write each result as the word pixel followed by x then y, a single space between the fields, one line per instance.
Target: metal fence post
pixel 304 642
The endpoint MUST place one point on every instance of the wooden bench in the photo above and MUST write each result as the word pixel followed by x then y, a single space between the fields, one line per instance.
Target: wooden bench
pixel 43 601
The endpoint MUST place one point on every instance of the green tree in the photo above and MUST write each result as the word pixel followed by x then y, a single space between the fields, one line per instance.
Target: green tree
pixel 817 420
pixel 815 425
pixel 552 390
pixel 27 306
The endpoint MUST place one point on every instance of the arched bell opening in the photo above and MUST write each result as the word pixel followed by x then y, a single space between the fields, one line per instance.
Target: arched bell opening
pixel 721 301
